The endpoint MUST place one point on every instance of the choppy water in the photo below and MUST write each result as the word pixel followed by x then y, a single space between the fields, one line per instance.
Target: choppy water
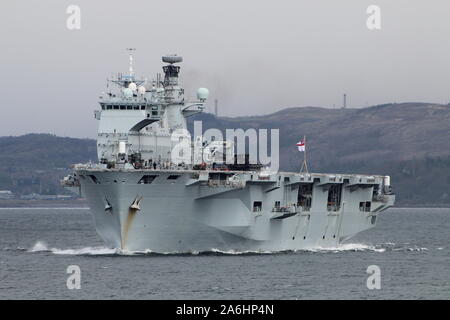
pixel 410 246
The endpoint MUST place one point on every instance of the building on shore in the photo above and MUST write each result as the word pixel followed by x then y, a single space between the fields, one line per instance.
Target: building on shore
pixel 6 195
pixel 35 196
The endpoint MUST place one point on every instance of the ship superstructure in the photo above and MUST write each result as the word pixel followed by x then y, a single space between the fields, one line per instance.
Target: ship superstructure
pixel 137 122
pixel 143 197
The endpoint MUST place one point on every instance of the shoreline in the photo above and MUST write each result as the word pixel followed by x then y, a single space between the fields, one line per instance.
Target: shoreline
pixel 74 203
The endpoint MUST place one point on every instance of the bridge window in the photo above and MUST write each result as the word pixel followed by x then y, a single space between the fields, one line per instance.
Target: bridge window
pixel 172 177
pixel 142 107
pixel 109 107
pixel 122 107
pixel 116 107
pixel 136 107
pixel 129 107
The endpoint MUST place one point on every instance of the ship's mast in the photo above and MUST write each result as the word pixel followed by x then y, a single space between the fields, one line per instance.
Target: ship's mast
pixel 131 53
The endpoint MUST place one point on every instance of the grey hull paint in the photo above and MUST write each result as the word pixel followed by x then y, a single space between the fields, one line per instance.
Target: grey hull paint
pixel 190 215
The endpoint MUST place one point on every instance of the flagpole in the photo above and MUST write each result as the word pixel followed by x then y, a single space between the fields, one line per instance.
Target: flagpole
pixel 304 163
pixel 304 155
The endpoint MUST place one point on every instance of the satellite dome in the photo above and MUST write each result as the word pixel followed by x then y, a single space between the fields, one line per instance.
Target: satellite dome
pixel 172 59
pixel 141 89
pixel 132 86
pixel 127 92
pixel 202 94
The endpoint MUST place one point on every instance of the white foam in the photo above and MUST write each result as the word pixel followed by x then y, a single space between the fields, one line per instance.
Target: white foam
pixel 346 247
pixel 41 246
pixel 416 248
pixel 86 251
pixel 236 252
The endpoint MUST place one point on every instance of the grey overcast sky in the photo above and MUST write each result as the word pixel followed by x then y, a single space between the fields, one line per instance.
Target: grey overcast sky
pixel 256 57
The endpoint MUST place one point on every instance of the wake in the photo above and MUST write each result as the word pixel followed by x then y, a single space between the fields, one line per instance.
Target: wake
pixel 42 247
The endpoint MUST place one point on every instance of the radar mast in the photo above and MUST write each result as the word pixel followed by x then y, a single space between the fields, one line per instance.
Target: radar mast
pixel 131 53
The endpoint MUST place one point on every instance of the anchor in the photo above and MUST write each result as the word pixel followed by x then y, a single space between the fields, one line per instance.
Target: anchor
pixel 108 206
pixel 136 204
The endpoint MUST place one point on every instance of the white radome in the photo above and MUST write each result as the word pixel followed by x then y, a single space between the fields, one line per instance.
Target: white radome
pixel 127 92
pixel 132 86
pixel 202 94
pixel 141 89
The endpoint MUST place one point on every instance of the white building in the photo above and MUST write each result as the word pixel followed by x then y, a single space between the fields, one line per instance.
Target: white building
pixel 6 195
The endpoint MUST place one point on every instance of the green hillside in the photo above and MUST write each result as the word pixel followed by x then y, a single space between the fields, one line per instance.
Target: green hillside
pixel 34 163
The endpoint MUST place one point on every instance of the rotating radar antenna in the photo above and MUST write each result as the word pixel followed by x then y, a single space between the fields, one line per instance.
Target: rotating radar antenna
pixel 172 58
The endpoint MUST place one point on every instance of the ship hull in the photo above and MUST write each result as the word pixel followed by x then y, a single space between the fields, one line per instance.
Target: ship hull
pixel 185 216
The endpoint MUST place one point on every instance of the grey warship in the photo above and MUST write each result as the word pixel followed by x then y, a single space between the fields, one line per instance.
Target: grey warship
pixel 144 200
